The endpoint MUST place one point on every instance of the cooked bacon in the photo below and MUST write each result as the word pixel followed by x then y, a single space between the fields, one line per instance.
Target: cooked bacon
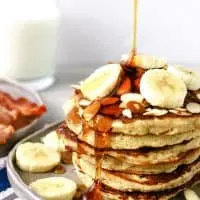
pixel 22 105
pixel 28 108
pixel 15 114
pixel 6 131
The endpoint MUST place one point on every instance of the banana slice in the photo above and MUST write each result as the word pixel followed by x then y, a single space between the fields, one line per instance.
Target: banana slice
pixel 190 78
pixel 160 88
pixel 191 195
pixel 36 157
pixel 149 62
pixel 101 82
pixel 55 188
pixel 193 107
pixel 132 97
pixel 52 140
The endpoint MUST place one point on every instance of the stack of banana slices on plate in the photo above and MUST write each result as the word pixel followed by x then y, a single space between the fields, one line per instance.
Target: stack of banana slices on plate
pixel 144 116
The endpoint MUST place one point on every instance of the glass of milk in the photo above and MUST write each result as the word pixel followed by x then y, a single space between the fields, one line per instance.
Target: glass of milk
pixel 28 40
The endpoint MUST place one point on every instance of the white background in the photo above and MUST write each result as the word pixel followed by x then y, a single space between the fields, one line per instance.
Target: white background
pixel 95 31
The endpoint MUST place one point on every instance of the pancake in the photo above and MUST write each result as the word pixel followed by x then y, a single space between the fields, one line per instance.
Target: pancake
pixel 163 125
pixel 134 182
pixel 144 156
pixel 122 141
pixel 112 194
pixel 169 124
pixel 111 163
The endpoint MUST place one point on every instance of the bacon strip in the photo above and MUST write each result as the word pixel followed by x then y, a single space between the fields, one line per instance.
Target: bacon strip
pixel 5 133
pixel 15 114
pixel 21 105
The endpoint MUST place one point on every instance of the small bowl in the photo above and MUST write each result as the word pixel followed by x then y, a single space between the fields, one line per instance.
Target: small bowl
pixel 16 90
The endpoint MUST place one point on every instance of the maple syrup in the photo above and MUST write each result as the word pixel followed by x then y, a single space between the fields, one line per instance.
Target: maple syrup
pixel 102 139
pixel 135 31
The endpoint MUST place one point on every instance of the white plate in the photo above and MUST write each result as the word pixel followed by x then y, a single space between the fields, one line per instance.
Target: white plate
pixel 20 179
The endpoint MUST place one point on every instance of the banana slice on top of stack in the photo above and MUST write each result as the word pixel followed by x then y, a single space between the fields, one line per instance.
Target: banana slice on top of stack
pixel 161 85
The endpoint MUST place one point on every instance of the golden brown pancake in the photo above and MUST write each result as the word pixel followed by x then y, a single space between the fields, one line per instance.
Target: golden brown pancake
pixel 134 182
pixel 143 156
pixel 112 194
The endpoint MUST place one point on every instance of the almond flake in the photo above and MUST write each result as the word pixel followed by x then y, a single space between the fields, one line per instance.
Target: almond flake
pixel 122 105
pixel 132 97
pixel 198 96
pixel 111 110
pixel 125 86
pixel 135 107
pixel 155 112
pixel 127 113
pixel 91 110
pixel 181 109
pixel 84 102
pixel 109 101
pixel 193 107
pixel 180 113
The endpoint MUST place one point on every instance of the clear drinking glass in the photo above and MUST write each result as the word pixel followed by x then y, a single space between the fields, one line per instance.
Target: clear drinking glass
pixel 28 39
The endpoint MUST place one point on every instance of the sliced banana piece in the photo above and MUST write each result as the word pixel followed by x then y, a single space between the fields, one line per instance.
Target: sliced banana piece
pixel 132 97
pixel 191 78
pixel 55 188
pixel 36 157
pixel 163 89
pixel 149 62
pixel 193 107
pixel 52 140
pixel 102 82
pixel 191 195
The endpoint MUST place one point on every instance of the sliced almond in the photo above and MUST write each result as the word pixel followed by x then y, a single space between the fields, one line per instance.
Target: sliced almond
pixel 102 82
pixel 193 107
pixel 132 97
pixel 180 113
pixel 102 123
pixel 198 96
pixel 109 101
pixel 74 121
pixel 80 111
pixel 155 112
pixel 125 87
pixel 84 102
pixel 127 113
pixel 111 110
pixel 91 110
pixel 135 107
pixel 181 109
pixel 122 105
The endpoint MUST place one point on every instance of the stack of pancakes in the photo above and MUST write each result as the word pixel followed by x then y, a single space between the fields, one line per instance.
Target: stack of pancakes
pixel 148 152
